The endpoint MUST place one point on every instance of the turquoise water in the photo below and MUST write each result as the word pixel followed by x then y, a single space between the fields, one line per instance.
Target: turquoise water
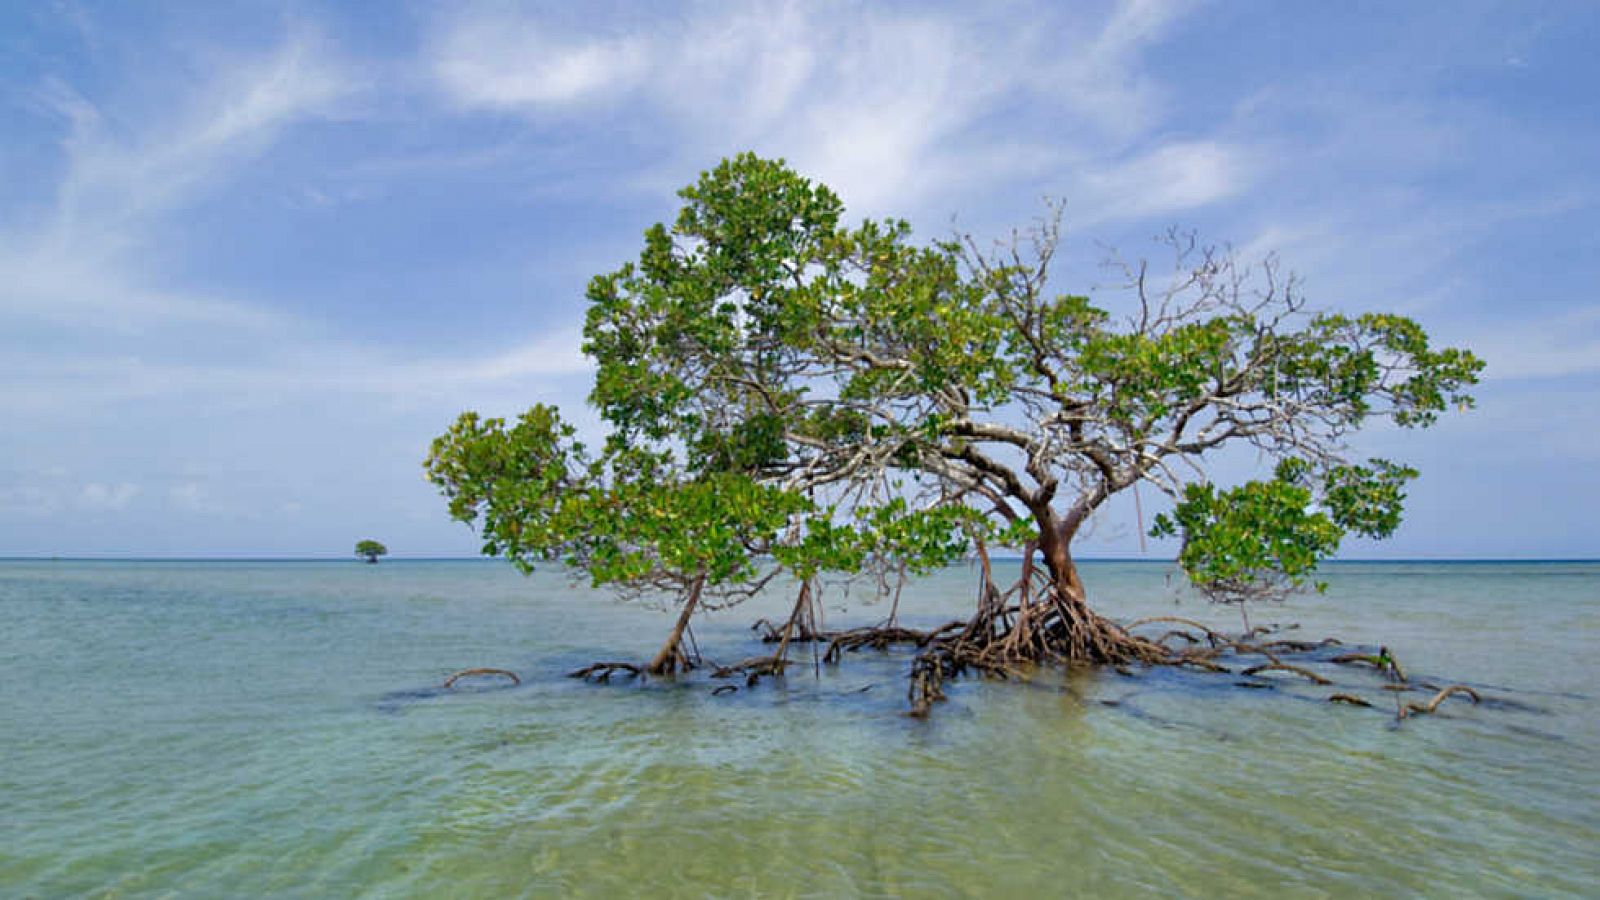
pixel 225 729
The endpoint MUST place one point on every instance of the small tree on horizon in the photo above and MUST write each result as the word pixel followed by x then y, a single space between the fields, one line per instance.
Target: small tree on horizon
pixel 371 550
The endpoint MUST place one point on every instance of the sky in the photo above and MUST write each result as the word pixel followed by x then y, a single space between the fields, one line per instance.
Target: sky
pixel 254 257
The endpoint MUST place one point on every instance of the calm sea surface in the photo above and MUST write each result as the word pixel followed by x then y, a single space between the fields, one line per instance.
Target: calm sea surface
pixel 225 729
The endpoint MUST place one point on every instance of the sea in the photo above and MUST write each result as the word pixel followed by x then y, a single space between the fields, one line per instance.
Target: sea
pixel 279 728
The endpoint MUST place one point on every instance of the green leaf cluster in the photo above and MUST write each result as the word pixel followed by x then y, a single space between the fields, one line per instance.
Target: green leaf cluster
pixel 1265 539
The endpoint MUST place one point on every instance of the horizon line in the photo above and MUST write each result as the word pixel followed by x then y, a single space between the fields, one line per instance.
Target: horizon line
pixel 4 558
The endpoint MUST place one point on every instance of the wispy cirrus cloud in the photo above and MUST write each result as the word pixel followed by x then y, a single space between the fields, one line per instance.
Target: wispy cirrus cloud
pixel 35 384
pixel 84 263
pixel 1170 179
pixel 888 106
pixel 115 178
pixel 522 64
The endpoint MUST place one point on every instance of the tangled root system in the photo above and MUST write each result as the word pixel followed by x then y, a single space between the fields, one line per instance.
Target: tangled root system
pixel 1040 621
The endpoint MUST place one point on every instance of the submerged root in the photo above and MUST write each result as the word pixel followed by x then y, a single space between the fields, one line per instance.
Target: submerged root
pixel 753 668
pixel 1351 699
pixel 1300 646
pixel 470 673
pixel 602 672
pixel 1200 662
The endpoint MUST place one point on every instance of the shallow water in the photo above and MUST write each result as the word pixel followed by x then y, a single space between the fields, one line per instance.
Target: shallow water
pixel 218 729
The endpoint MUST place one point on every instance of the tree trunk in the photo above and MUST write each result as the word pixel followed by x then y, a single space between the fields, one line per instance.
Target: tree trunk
pixel 671 656
pixel 1055 545
pixel 1082 636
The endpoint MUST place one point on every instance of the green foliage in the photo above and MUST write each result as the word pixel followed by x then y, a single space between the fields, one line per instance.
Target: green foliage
pixel 1264 539
pixel 635 517
pixel 371 550
pixel 781 388
pixel 624 517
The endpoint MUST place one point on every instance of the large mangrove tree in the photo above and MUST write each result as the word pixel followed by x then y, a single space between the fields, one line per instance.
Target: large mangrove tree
pixel 786 392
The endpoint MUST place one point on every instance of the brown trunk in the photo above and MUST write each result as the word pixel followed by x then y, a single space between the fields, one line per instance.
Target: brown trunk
pixel 1055 545
pixel 671 656
pixel 1083 636
pixel 800 605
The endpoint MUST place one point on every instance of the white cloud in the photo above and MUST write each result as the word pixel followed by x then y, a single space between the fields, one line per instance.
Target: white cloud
pixel 29 500
pixel 1559 346
pixel 98 496
pixel 510 64
pixel 91 287
pixel 880 104
pixel 1173 178
pixel 558 352
pixel 73 385
pixel 189 497
pixel 1103 80
pixel 116 180
pixel 86 267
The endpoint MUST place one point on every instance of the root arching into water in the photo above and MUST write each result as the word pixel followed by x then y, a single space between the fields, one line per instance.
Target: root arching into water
pixel 480 671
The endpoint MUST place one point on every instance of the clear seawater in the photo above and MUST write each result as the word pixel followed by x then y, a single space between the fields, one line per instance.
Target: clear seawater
pixel 217 729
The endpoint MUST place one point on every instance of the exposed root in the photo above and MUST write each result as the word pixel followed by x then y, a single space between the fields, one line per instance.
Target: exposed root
pixel 1210 634
pixel 602 672
pixel 757 666
pixel 878 638
pixel 1050 626
pixel 1285 667
pixel 1432 705
pixel 1041 620
pixel 469 673
pixel 1348 658
pixel 1383 661
pixel 721 689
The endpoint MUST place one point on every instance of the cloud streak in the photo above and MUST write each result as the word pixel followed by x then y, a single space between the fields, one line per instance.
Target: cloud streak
pixel 85 267
pixel 877 103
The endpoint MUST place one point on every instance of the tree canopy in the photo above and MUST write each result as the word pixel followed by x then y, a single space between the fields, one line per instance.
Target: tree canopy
pixel 371 550
pixel 785 391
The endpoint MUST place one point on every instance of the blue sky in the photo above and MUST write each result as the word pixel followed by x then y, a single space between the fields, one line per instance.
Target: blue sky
pixel 253 257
